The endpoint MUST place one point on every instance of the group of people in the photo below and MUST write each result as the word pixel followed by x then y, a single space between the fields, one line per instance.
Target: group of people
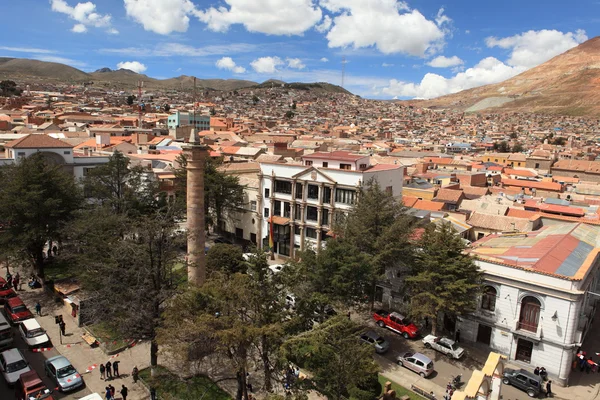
pixel 541 372
pixel 109 370
pixel 110 392
pixel 13 281
pixel 583 362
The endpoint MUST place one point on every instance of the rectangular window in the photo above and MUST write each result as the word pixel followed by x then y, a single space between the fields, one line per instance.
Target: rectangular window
pixel 345 166
pixel 296 230
pixel 239 233
pixel 267 193
pixel 299 190
pixel 345 196
pixel 253 205
pixel 66 153
pixel 307 163
pixel 388 190
pixel 363 166
pixel 326 194
pixel 277 208
pixel 325 164
pixel 253 238
pixel 537 165
pixel 311 213
pixel 325 217
pixel 266 212
pixel 311 233
pixel 297 212
pixel 313 192
pixel 283 187
pixel 287 210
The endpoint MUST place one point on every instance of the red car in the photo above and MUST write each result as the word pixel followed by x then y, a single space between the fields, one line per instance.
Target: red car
pixel 6 292
pixel 397 323
pixel 16 311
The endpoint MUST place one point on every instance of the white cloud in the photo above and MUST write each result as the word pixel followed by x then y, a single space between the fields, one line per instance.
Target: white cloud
pixel 441 19
pixel 161 16
pixel 386 65
pixel 112 31
pixel 325 25
pixel 445 62
pixel 79 28
pixel 230 65
pixel 324 59
pixel 178 49
pixel 266 65
pixel 467 31
pixel 295 63
pixel 83 13
pixel 273 17
pixel 27 50
pixel 532 48
pixel 388 25
pixel 134 66
pixel 489 70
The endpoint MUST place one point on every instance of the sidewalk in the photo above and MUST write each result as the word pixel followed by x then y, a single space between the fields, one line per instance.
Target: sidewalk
pixel 80 354
pixel 406 377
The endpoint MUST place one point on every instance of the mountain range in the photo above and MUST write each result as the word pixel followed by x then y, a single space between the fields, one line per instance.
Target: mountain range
pixel 22 69
pixel 568 84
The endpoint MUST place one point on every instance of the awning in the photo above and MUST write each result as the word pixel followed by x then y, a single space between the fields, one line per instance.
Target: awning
pixel 66 288
pixel 277 220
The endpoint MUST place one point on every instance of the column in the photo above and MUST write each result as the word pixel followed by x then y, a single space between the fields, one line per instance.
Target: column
pixel 196 266
pixel 319 240
pixel 301 237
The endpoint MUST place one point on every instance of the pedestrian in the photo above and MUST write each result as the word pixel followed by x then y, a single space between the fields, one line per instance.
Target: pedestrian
pixel 108 394
pixel 549 389
pixel 102 372
pixel 457 336
pixel 108 370
pixel 123 392
pixel 38 308
pixel 135 374
pixel 536 371
pixel 112 391
pixel 9 280
pixel 16 281
pixel 426 322
pixel 62 326
pixel 589 364
pixel 115 367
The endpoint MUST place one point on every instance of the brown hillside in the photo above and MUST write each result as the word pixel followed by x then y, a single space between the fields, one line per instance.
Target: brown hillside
pixel 19 68
pixel 567 84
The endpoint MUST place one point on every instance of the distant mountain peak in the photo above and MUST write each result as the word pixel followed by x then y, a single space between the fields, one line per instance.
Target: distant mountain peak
pixel 126 70
pixel 105 69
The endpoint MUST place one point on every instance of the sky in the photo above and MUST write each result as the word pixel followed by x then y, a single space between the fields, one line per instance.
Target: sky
pixel 387 48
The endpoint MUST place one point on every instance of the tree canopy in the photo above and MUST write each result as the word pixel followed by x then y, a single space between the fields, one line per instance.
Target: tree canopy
pixel 9 88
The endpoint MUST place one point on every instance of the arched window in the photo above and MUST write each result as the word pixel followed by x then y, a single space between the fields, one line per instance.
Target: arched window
pixel 530 314
pixel 488 300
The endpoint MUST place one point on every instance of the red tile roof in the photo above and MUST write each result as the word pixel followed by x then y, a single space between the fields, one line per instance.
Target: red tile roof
pixel 555 209
pixel 552 186
pixel 335 155
pixel 449 196
pixel 37 141
pixel 428 205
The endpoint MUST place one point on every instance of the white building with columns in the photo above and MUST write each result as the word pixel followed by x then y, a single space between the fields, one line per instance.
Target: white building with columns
pixel 539 301
pixel 297 202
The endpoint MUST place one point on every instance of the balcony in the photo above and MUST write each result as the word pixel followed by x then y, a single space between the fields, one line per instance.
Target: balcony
pixel 528 326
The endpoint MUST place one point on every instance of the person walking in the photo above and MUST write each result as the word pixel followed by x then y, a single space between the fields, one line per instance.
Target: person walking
pixel 112 391
pixel 549 389
pixel 108 394
pixel 38 308
pixel 135 374
pixel 102 372
pixel 123 392
pixel 62 327
pixel 108 370
pixel 16 281
pixel 115 368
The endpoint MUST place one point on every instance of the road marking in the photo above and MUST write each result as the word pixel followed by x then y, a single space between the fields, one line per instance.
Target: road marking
pixel 42 349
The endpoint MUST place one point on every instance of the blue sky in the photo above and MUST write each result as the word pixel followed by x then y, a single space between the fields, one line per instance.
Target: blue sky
pixel 393 49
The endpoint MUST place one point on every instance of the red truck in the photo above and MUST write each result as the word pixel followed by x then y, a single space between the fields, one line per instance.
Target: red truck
pixel 396 322
pixel 30 386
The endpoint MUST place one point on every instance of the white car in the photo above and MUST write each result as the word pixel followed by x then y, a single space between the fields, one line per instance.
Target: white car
pixel 32 333
pixel 12 365
pixel 444 345
pixel 276 268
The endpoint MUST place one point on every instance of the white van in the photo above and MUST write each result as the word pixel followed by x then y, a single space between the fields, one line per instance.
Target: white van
pixel 93 396
pixel 6 333
pixel 32 333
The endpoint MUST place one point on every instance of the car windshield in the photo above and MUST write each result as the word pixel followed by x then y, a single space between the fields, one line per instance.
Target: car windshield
pixel 408 355
pixel 35 332
pixel 380 340
pixel 454 346
pixel 406 321
pixel 430 365
pixel 38 394
pixel 66 371
pixel 19 309
pixel 16 366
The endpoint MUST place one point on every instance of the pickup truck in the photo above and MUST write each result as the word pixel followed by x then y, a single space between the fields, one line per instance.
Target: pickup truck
pixel 444 345
pixel 396 322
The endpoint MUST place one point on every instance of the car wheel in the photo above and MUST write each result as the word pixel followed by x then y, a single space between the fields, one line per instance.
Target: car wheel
pixel 405 335
pixel 422 374
pixel 381 324
pixel 449 355
pixel 531 393
pixel 505 381
pixel 400 363
pixel 427 346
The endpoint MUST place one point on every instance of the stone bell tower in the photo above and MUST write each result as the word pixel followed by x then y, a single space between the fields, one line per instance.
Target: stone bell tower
pixel 196 156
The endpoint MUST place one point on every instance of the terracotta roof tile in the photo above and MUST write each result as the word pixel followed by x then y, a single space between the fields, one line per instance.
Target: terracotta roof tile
pixel 37 141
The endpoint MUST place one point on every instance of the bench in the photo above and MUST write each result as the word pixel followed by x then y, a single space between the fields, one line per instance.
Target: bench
pixel 89 339
pixel 423 392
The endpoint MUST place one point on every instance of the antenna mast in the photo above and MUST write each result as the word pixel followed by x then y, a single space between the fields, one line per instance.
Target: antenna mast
pixel 140 104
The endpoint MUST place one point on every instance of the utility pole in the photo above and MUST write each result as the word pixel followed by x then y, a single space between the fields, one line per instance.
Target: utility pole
pixel 140 104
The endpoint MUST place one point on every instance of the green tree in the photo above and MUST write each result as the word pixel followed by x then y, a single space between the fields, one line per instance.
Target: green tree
pixel 289 114
pixel 255 99
pixel 121 186
pixel 130 100
pixel 517 148
pixel 167 107
pixel 294 105
pixel 225 258
pixel 341 366
pixel 9 89
pixel 38 198
pixel 443 279
pixel 502 147
pixel 223 193
pixel 514 135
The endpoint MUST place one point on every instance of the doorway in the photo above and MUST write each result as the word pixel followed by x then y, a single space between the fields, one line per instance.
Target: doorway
pixel 484 334
pixel 524 350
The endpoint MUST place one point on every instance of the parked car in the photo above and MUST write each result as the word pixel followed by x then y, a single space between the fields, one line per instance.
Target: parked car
pixel 444 345
pixel 374 339
pixel 524 380
pixel 30 386
pixel 417 362
pixel 6 333
pixel 6 292
pixel 12 365
pixel 16 311
pixel 276 268
pixel 60 370
pixel 32 333
pixel 397 323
